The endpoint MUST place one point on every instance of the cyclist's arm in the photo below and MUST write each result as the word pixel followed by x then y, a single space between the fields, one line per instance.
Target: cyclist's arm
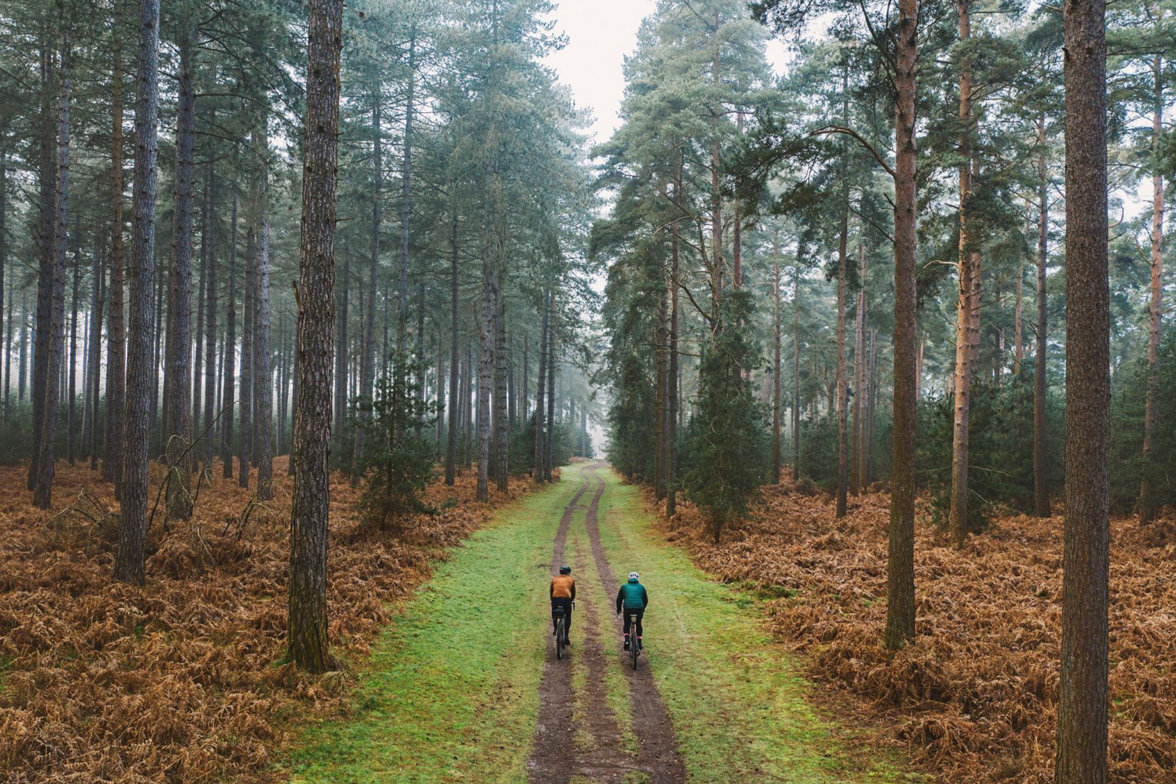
pixel 645 596
pixel 573 590
pixel 620 594
pixel 551 589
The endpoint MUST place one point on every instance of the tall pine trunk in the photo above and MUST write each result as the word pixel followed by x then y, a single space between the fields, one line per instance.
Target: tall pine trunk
pixel 55 339
pixel 209 241
pixel 1151 415
pixel 367 369
pixel 454 379
pixel 307 623
pixel 842 387
pixel 541 386
pixel 178 400
pixel 229 351
pixel 900 604
pixel 130 560
pixel 262 451
pixel 966 305
pixel 1040 482
pixel 1082 699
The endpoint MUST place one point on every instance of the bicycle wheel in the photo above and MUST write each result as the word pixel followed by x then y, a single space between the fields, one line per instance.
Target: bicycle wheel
pixel 634 644
pixel 559 638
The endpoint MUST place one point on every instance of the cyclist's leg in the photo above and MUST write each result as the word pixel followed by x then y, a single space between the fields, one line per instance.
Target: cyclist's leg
pixel 640 615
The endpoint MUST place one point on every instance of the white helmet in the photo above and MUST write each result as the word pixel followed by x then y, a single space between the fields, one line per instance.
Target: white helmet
pixel 634 577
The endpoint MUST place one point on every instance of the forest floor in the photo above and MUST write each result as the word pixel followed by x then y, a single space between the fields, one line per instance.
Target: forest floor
pixel 182 680
pixel 464 684
pixel 974 699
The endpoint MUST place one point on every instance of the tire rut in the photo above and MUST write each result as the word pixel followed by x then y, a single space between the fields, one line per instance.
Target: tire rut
pixel 658 754
pixel 553 732
pixel 555 759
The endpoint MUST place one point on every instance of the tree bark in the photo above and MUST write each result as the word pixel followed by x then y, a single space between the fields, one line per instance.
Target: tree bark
pixel 72 365
pixel 368 368
pixel 541 387
pixel 966 259
pixel 406 191
pixel 307 625
pixel 178 401
pixel 1151 415
pixel 796 360
pixel 842 393
pixel 900 605
pixel 776 373
pixel 672 402
pixel 47 206
pixel 55 339
pixel 485 379
pixel 209 242
pixel 131 556
pixel 229 351
pixel 1082 702
pixel 245 394
pixel 454 378
pixel 1040 483
pixel 262 451
pixel 501 415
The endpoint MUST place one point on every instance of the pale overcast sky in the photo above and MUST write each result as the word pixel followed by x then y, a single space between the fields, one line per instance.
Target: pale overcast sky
pixel 600 33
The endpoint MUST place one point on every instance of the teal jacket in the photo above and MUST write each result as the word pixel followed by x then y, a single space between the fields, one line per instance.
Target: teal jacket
pixel 632 596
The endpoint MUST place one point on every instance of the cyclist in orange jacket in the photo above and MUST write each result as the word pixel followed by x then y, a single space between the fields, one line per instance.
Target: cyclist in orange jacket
pixel 563 593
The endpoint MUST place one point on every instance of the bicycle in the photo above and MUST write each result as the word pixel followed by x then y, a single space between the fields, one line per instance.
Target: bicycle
pixel 634 640
pixel 561 631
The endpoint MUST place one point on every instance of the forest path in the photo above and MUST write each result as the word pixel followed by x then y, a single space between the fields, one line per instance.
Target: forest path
pixel 464 685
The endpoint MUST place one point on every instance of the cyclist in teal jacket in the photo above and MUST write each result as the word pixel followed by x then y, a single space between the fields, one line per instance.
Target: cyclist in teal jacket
pixel 632 598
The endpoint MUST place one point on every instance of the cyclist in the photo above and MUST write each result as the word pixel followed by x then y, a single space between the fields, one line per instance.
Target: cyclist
pixel 632 598
pixel 563 593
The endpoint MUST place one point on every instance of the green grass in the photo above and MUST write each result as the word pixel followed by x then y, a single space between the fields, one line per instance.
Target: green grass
pixel 451 691
pixel 736 700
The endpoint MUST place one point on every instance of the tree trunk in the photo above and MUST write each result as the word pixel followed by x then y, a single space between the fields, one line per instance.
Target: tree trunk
pixel 209 242
pixel 132 543
pixel 262 451
pixel 229 351
pixel 368 368
pixel 406 192
pixel 1082 702
pixel 116 350
pixel 842 393
pixel 178 401
pixel 796 360
pixel 245 396
pixel 341 347
pixel 1147 500
pixel 776 372
pixel 541 386
pixel 900 606
pixel 55 339
pixel 454 378
pixel 1018 317
pixel 501 415
pixel 485 379
pixel 1040 482
pixel 958 512
pixel 47 206
pixel 672 376
pixel 307 626
pixel 860 369
pixel 548 449
pixel 72 368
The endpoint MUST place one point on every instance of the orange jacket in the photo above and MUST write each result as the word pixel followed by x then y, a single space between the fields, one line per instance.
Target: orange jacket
pixel 563 586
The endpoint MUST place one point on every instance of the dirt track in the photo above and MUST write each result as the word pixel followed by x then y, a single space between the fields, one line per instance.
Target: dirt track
pixel 559 752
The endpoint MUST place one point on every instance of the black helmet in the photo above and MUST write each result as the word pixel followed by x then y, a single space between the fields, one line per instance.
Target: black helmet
pixel 565 569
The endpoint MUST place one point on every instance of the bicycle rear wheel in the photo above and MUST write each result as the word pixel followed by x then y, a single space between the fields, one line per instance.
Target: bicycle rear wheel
pixel 634 643
pixel 559 638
